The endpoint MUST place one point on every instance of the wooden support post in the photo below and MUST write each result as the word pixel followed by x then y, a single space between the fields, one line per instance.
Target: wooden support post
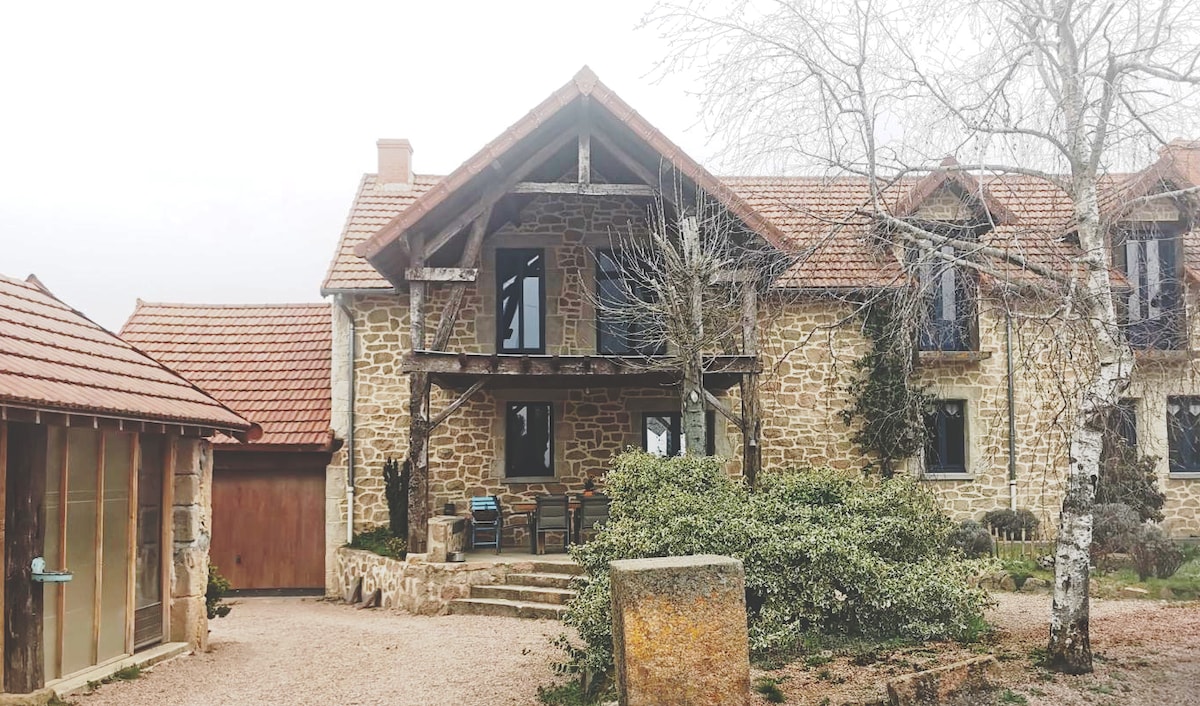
pixel 98 551
pixel 167 528
pixel 25 484
pixel 585 157
pixel 751 411
pixel 416 464
pixel 416 295
pixel 722 409
pixel 63 488
pixel 3 539
pixel 470 256
pixel 135 456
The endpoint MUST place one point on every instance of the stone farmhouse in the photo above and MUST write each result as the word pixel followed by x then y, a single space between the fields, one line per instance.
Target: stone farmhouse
pixel 479 286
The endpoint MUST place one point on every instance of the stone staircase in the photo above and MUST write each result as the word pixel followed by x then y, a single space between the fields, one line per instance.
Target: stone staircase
pixel 542 591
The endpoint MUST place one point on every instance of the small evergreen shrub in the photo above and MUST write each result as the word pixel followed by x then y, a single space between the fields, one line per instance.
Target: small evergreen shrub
pixel 1011 523
pixel 214 597
pixel 1114 526
pixel 824 552
pixel 380 540
pixel 1154 554
pixel 972 539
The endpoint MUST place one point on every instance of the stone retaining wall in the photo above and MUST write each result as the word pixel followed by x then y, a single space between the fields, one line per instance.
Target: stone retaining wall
pixel 413 584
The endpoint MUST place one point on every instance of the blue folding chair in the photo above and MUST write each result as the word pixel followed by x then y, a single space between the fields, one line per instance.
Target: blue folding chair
pixel 486 519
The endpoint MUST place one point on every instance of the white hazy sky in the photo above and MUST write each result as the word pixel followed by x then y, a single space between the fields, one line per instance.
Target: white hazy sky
pixel 209 152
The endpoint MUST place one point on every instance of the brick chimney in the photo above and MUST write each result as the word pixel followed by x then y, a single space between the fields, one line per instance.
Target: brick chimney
pixel 395 164
pixel 1186 156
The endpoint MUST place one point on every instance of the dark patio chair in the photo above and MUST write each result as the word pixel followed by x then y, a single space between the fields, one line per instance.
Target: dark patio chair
pixel 591 515
pixel 486 519
pixel 554 515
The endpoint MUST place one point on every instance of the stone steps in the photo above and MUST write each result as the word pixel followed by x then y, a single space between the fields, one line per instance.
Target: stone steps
pixel 540 580
pixel 530 594
pixel 540 592
pixel 506 608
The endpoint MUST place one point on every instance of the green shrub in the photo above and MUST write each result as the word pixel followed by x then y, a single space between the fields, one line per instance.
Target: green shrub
pixel 1129 479
pixel 972 539
pixel 1010 524
pixel 1114 526
pixel 380 540
pixel 214 597
pixel 1154 554
pixel 824 552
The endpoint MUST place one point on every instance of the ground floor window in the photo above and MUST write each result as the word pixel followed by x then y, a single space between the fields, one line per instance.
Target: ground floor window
pixel 662 433
pixel 529 439
pixel 946 437
pixel 1183 434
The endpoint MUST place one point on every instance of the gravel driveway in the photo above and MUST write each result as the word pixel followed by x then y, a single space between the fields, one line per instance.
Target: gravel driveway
pixel 304 651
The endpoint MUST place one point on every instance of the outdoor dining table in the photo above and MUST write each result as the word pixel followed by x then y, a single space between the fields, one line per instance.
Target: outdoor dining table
pixel 530 511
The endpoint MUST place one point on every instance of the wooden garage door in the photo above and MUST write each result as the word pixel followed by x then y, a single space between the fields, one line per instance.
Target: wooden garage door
pixel 268 528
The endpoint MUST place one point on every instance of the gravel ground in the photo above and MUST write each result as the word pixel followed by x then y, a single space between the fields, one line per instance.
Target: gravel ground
pixel 304 651
pixel 1147 653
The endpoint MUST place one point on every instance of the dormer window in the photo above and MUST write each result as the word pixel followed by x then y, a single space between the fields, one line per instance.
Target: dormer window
pixel 1148 256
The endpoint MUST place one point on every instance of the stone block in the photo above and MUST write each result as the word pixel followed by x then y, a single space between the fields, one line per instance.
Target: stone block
pixel 187 490
pixel 958 681
pixel 679 631
pixel 189 622
pixel 191 572
pixel 187 523
pixel 41 697
pixel 447 533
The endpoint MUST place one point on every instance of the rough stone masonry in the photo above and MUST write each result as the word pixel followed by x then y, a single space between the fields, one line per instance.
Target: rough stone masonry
pixel 679 631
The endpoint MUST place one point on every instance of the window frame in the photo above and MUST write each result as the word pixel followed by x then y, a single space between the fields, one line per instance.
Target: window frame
pixel 937 433
pixel 503 258
pixel 675 428
pixel 1176 465
pixel 618 259
pixel 1168 330
pixel 513 468
pixel 933 334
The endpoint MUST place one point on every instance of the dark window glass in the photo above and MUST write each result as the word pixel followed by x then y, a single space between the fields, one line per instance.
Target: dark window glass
pixel 1149 259
pixel 946 437
pixel 662 433
pixel 529 441
pixel 520 293
pixel 949 307
pixel 618 334
pixel 1183 434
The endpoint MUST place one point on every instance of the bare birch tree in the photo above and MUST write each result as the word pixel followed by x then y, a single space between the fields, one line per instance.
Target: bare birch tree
pixel 1058 90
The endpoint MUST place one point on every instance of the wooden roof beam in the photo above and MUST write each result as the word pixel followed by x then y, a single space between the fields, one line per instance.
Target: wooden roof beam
pixel 581 189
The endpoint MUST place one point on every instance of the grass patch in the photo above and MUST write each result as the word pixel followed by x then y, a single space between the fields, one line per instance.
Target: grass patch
pixel 381 541
pixel 1008 696
pixel 769 688
pixel 572 694
pixel 1184 584
pixel 129 673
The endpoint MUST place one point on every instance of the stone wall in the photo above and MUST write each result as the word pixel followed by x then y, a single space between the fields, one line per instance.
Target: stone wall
pixel 412 584
pixel 192 518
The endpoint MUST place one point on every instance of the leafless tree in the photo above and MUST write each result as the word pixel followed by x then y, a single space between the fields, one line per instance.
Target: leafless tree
pixel 1057 90
pixel 671 292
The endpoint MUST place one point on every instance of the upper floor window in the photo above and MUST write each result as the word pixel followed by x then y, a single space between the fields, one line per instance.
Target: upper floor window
pixel 1120 429
pixel 529 439
pixel 949 323
pixel 621 326
pixel 662 433
pixel 1183 434
pixel 1148 256
pixel 520 301
pixel 946 437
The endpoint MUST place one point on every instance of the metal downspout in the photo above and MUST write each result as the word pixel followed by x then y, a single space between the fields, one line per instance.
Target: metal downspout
pixel 350 430
pixel 1012 419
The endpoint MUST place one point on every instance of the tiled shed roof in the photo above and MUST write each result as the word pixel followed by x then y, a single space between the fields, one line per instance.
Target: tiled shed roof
pixel 268 362
pixel 53 358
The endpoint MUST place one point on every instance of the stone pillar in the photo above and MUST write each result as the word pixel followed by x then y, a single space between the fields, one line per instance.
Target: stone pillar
pixel 447 533
pixel 679 631
pixel 191 517
pixel 337 472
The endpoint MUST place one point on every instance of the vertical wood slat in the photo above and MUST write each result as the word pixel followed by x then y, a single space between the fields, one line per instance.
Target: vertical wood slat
pixel 416 295
pixel 166 552
pixel 25 488
pixel 3 539
pixel 60 624
pixel 98 549
pixel 135 455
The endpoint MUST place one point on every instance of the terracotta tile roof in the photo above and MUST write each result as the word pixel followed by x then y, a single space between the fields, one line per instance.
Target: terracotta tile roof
pixel 268 362
pixel 53 358
pixel 373 208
